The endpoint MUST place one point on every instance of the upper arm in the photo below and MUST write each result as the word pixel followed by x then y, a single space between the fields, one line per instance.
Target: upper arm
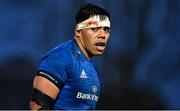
pixel 45 86
pixel 50 77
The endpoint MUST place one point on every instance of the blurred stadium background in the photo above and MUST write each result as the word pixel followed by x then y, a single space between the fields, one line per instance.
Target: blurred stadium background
pixel 140 69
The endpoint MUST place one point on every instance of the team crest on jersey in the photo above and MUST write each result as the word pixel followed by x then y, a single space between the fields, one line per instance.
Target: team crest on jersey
pixel 94 88
pixel 83 74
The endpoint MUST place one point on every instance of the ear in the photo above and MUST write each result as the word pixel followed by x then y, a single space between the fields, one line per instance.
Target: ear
pixel 77 33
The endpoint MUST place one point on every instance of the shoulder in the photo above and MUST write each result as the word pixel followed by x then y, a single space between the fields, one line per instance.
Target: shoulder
pixel 61 53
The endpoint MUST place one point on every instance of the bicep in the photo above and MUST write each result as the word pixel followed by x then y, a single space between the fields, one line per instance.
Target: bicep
pixel 45 87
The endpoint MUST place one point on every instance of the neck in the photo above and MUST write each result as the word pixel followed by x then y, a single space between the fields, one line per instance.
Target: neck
pixel 88 56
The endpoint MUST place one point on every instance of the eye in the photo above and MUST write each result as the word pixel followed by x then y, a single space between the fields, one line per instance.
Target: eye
pixel 94 29
pixel 107 29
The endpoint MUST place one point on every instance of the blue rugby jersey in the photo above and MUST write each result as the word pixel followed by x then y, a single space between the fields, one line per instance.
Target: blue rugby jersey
pixel 67 67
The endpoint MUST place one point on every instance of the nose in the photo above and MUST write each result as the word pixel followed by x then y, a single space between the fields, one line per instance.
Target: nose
pixel 102 33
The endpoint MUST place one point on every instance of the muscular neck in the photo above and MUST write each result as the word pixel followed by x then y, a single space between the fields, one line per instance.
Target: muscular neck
pixel 88 56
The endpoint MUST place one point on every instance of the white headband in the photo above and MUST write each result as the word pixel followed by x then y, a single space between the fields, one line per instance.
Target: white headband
pixel 93 22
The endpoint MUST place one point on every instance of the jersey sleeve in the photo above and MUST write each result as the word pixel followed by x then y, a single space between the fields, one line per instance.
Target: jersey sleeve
pixel 54 68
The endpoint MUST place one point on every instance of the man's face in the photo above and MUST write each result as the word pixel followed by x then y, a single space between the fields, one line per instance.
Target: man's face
pixel 94 40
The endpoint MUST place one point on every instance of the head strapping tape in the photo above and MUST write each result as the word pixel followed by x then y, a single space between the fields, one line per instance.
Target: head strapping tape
pixel 93 22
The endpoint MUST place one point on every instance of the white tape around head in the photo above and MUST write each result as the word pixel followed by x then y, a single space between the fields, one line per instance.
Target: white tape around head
pixel 93 22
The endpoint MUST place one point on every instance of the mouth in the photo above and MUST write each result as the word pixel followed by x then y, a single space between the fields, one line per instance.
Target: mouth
pixel 100 46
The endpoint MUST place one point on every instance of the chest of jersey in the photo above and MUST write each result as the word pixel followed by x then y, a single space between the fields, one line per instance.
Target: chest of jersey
pixel 82 87
pixel 84 78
